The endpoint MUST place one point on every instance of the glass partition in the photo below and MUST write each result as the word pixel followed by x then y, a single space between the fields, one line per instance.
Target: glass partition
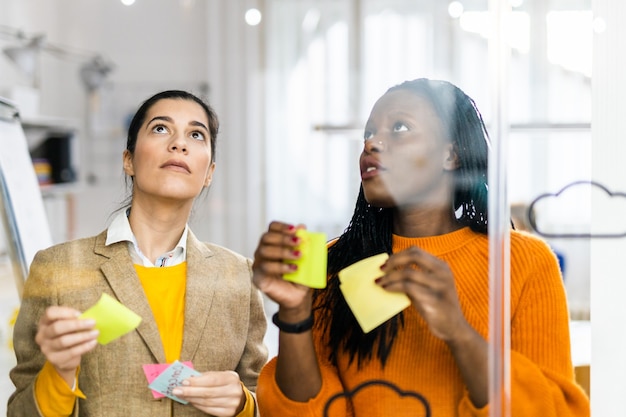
pixel 323 64
pixel 329 61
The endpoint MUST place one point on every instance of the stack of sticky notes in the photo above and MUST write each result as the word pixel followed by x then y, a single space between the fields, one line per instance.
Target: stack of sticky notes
pixel 312 262
pixel 154 370
pixel 371 304
pixel 171 377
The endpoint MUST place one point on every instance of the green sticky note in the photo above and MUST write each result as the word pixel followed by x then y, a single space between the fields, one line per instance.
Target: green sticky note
pixel 312 263
pixel 113 319
pixel 371 304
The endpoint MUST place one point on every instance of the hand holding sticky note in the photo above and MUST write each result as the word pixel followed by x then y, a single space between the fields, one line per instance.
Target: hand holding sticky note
pixel 113 319
pixel 153 370
pixel 172 377
pixel 313 258
pixel 370 304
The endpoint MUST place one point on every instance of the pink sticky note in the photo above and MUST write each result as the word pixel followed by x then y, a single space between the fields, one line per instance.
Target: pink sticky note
pixel 152 370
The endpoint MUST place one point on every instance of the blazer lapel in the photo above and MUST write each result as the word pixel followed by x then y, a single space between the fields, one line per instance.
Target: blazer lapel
pixel 198 295
pixel 122 277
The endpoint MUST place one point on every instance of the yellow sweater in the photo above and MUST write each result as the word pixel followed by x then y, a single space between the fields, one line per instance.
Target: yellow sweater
pixel 165 291
pixel 420 365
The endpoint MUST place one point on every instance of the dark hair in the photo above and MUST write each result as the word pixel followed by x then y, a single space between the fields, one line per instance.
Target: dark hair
pixel 370 229
pixel 140 117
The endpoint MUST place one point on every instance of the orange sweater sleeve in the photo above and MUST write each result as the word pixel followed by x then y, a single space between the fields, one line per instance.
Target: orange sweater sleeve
pixel 542 374
pixel 273 402
pixel 54 397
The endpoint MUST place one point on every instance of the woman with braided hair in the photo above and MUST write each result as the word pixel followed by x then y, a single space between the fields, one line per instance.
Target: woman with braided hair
pixel 423 201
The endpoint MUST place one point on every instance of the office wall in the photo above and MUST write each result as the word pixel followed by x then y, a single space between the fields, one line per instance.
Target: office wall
pixel 155 44
pixel 195 45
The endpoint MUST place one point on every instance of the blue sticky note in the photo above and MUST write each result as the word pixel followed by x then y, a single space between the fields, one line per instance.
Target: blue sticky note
pixel 171 378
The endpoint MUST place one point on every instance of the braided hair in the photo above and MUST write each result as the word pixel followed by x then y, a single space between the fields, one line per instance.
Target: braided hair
pixel 370 229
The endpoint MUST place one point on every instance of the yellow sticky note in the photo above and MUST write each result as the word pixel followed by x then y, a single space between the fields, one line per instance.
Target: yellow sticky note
pixel 113 319
pixel 312 263
pixel 371 304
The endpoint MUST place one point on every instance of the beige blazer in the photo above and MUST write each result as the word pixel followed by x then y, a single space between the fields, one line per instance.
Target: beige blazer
pixel 224 325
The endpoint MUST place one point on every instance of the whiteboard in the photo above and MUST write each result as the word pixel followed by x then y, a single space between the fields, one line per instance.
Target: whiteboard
pixel 21 204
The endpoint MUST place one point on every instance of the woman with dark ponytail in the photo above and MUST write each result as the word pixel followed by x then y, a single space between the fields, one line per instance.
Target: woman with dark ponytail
pixel 195 299
pixel 423 201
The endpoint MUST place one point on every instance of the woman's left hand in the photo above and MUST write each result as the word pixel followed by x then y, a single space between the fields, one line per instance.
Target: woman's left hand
pixel 217 393
pixel 429 283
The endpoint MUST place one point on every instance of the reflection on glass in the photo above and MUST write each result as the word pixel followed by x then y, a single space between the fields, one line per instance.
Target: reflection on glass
pixel 549 100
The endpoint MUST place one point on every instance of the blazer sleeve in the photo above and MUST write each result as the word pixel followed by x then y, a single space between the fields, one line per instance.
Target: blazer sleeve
pixel 39 293
pixel 255 352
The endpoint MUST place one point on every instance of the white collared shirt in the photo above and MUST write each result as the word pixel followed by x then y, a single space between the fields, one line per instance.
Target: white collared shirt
pixel 120 231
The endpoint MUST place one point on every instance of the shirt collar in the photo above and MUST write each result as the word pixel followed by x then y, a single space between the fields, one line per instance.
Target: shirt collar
pixel 120 231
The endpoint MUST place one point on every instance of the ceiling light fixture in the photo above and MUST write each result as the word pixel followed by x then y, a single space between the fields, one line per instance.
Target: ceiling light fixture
pixel 25 55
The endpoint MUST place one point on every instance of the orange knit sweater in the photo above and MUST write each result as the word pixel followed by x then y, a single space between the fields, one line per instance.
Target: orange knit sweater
pixel 422 370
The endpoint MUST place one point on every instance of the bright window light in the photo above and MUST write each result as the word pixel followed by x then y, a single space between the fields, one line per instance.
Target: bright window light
pixel 570 40
pixel 311 20
pixel 253 17
pixel 569 37
pixel 455 9
pixel 478 22
pixel 599 25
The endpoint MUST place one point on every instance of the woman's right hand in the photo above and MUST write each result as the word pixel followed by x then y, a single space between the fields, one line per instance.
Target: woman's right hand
pixel 297 370
pixel 277 245
pixel 64 338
